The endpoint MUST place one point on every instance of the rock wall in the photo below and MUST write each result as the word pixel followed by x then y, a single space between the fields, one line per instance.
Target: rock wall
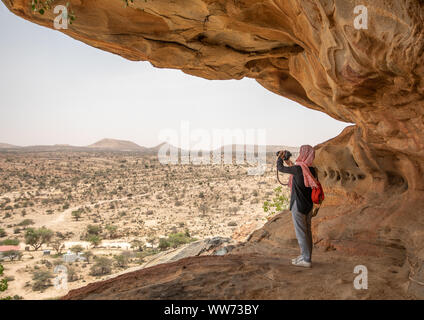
pixel 311 52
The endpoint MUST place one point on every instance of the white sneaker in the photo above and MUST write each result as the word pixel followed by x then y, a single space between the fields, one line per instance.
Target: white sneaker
pixel 302 263
pixel 296 259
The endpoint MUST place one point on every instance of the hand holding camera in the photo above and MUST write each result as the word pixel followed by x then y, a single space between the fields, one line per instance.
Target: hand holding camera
pixel 285 155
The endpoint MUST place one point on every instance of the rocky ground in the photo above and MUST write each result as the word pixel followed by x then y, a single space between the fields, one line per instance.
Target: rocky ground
pixel 260 269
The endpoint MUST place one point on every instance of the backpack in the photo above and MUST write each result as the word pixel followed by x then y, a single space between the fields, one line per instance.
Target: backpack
pixel 317 194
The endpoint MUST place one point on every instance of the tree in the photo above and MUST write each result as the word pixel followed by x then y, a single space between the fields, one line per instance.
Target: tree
pixel 204 208
pixel 77 248
pixel 138 244
pixel 37 237
pixel 93 230
pixel 76 214
pixel 88 255
pixel 12 255
pixel 95 240
pixel 164 244
pixel 112 231
pixel 122 259
pixel 58 246
pixel 102 266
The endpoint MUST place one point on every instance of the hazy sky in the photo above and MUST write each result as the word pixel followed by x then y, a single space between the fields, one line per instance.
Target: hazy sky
pixel 55 90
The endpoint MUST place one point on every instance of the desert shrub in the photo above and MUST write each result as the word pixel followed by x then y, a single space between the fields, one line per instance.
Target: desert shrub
pixel 72 275
pixel 77 248
pixel 76 214
pixel 179 238
pixel 9 242
pixel 93 230
pixel 112 230
pixel 203 208
pixel 164 244
pixel 122 260
pixel 137 244
pixel 278 203
pixel 102 266
pixel 88 255
pixel 41 280
pixel 2 233
pixel 12 255
pixel 233 209
pixel 25 223
pixel 94 240
pixel 3 285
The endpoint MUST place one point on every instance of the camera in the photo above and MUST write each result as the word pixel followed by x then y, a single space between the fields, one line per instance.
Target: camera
pixel 287 154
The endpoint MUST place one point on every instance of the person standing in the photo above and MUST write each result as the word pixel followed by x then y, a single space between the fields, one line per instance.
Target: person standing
pixel 302 180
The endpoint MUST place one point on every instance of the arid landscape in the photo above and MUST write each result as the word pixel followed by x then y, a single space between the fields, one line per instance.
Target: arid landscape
pixel 359 62
pixel 119 205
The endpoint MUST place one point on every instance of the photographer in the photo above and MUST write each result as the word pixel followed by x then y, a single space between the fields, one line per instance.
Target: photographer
pixel 301 182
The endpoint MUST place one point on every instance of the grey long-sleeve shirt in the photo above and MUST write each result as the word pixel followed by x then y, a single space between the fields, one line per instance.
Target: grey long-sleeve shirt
pixel 299 193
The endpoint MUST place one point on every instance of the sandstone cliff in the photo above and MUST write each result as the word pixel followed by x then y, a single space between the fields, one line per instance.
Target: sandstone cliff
pixel 310 52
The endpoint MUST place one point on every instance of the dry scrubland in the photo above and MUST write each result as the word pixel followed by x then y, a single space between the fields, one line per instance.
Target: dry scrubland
pixel 90 199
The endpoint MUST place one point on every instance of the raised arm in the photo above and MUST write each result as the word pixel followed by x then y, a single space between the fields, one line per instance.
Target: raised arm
pixel 285 169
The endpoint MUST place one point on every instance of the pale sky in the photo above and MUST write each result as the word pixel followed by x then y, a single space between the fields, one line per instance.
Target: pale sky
pixel 56 90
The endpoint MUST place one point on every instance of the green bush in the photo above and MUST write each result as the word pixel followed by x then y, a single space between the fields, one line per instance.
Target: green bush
pixel 41 280
pixel 123 259
pixel 25 223
pixel 3 285
pixel 175 239
pixel 278 203
pixel 164 244
pixel 12 255
pixel 9 242
pixel 102 266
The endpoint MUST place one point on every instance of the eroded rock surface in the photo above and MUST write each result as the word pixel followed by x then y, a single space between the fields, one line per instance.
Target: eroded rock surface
pixel 310 52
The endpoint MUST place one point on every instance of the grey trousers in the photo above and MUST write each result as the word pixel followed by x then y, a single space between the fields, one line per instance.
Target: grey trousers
pixel 302 227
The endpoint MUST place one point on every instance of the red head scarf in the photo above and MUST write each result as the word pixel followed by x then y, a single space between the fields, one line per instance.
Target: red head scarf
pixel 305 159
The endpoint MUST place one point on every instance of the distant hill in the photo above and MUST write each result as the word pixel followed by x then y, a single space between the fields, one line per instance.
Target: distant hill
pixel 124 146
pixel 8 146
pixel 118 145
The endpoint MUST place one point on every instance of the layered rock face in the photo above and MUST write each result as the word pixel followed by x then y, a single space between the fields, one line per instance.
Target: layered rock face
pixel 310 51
